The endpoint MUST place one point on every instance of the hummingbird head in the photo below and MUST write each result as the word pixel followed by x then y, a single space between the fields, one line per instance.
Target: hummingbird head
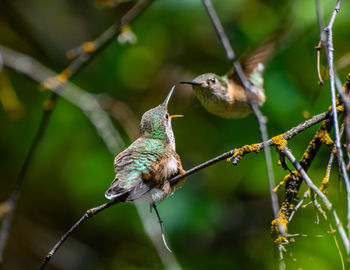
pixel 208 85
pixel 156 122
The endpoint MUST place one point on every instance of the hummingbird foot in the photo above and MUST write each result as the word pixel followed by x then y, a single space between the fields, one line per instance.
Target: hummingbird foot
pixel 153 206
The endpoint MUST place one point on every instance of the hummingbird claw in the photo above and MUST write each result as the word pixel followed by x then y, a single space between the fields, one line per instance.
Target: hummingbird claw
pixel 153 206
pixel 165 243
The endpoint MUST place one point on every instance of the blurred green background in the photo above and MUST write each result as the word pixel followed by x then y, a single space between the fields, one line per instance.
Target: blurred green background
pixel 221 217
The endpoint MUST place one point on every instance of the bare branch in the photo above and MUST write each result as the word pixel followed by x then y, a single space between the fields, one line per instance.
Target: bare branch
pixel 293 180
pixel 322 196
pixel 330 50
pixel 89 213
pixel 11 203
pixel 250 89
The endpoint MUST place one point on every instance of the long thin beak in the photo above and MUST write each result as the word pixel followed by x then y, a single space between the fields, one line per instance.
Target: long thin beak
pixel 168 97
pixel 176 115
pixel 190 82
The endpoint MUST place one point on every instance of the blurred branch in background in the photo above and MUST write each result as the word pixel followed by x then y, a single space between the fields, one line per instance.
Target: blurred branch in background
pixel 248 87
pixel 91 107
pixel 83 100
pixel 122 113
pixel 82 55
pixel 11 202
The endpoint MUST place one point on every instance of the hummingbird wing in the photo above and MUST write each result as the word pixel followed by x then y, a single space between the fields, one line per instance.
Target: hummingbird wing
pixel 134 172
pixel 254 60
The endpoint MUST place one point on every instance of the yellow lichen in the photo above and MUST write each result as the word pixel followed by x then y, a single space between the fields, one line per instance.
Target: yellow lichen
pixel 280 240
pixel 324 184
pixel 297 174
pixel 324 137
pixel 89 46
pixel 282 220
pixel 340 108
pixel 4 208
pixel 305 155
pixel 58 80
pixel 279 142
pixel 247 149
pixel 125 28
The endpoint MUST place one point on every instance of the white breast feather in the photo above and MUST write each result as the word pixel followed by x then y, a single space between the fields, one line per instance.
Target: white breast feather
pixel 156 194
pixel 171 167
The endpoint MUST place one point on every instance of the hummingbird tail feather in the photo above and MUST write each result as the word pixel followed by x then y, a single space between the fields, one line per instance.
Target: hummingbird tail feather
pixel 134 193
pixel 138 191
pixel 114 192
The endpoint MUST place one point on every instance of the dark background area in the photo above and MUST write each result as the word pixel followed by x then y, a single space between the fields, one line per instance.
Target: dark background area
pixel 221 217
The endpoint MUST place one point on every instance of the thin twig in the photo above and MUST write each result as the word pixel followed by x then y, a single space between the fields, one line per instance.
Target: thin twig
pixel 306 194
pixel 318 49
pixel 250 89
pixel 330 50
pixel 293 180
pixel 11 203
pixel 338 84
pixel 89 213
pixel 322 196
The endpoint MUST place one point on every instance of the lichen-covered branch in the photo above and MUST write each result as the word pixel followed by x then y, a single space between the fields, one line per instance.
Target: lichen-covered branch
pixel 321 195
pixel 293 180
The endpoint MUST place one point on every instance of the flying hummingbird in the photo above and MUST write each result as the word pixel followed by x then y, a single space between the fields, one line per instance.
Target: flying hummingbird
pixel 146 166
pixel 225 96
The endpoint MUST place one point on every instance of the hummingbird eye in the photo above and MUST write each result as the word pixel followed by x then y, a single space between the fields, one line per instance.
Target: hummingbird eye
pixel 212 80
pixel 167 116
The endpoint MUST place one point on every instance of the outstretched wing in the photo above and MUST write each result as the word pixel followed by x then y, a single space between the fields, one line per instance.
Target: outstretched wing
pixel 254 60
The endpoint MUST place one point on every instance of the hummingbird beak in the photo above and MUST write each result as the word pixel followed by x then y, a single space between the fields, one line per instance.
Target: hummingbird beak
pixel 165 102
pixel 190 82
pixel 176 115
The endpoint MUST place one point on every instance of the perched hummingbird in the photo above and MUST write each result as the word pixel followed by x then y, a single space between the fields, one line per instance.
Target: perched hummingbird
pixel 149 162
pixel 225 96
